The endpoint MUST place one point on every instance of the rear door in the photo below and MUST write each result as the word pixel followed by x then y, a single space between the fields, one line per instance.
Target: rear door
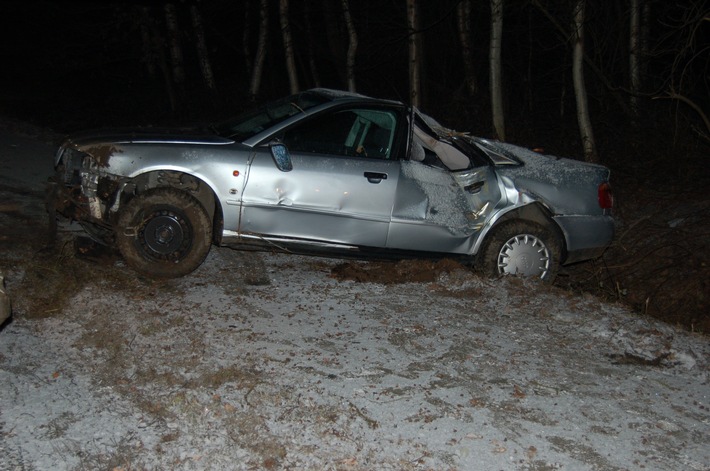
pixel 445 195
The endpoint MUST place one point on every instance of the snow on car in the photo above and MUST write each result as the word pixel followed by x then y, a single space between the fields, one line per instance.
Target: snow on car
pixel 326 171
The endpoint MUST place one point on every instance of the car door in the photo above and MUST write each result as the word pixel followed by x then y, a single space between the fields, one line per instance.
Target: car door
pixel 342 186
pixel 438 209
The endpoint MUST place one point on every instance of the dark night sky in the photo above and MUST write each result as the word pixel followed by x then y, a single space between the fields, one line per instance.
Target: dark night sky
pixel 86 56
pixel 72 63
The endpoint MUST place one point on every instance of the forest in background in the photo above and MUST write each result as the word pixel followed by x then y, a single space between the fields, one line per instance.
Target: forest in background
pixel 507 69
pixel 643 60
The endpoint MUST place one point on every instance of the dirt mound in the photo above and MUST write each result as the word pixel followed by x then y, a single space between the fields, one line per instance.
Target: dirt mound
pixel 389 272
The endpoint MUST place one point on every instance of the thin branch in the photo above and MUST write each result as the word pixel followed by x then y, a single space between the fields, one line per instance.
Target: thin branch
pixel 676 96
pixel 566 34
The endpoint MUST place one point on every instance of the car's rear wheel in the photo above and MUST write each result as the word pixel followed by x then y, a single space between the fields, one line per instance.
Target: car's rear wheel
pixel 521 248
pixel 164 233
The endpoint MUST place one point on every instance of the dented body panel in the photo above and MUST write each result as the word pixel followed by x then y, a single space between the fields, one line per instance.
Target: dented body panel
pixel 362 179
pixel 323 198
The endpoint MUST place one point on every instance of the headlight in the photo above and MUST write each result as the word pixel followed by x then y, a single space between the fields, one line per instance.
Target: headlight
pixel 70 163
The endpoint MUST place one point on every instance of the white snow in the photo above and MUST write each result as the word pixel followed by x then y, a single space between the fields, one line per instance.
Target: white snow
pixel 308 372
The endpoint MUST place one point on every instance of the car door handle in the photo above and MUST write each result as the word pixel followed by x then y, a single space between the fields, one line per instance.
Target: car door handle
pixel 375 177
pixel 474 187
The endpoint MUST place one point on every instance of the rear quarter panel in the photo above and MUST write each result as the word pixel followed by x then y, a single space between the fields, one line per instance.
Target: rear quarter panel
pixel 565 186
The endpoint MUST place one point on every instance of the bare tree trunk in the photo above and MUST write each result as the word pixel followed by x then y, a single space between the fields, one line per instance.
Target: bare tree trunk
pixel 496 77
pixel 307 12
pixel 580 90
pixel 622 102
pixel 463 21
pixel 337 48
pixel 645 34
pixel 155 56
pixel 202 53
pixel 149 54
pixel 246 36
pixel 415 84
pixel 352 45
pixel 260 50
pixel 288 46
pixel 176 56
pixel 634 52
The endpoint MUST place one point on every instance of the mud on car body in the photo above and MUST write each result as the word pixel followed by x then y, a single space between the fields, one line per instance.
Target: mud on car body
pixel 325 171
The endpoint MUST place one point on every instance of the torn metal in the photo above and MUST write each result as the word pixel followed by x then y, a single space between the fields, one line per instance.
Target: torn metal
pixel 353 173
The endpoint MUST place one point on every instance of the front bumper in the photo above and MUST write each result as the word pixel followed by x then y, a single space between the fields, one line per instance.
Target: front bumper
pixel 72 203
pixel 81 189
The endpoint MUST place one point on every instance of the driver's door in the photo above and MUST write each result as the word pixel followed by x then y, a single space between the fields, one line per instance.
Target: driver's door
pixel 342 186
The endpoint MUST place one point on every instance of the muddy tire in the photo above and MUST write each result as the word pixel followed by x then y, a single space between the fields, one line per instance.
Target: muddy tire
pixel 164 233
pixel 521 248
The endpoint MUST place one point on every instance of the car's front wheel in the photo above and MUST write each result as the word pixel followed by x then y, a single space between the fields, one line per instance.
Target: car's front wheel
pixel 521 248
pixel 164 233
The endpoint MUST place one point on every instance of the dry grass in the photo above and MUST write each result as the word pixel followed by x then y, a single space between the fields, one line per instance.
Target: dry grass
pixel 54 276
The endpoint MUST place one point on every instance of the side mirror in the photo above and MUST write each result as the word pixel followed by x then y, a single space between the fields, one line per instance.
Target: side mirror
pixel 282 157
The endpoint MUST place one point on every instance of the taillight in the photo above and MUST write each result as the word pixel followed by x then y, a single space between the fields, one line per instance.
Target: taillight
pixel 606 198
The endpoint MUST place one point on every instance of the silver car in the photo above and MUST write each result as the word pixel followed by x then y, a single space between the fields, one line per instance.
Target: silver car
pixel 326 171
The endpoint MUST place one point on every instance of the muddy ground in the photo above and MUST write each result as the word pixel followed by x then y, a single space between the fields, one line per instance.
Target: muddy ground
pixel 273 361
pixel 265 361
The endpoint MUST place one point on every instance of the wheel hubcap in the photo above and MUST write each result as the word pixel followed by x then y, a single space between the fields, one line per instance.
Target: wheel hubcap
pixel 165 235
pixel 524 255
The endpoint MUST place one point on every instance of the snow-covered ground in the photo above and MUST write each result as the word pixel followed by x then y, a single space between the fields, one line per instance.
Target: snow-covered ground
pixel 266 361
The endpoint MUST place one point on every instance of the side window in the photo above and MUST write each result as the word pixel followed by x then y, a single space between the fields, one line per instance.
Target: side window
pixel 352 132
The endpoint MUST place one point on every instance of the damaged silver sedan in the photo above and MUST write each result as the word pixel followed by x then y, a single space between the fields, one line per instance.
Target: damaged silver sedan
pixel 332 172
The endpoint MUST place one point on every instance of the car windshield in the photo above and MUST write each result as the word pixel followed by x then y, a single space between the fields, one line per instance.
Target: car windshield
pixel 253 122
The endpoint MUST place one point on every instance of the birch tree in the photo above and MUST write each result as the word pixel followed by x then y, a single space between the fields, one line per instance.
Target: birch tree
pixel 687 79
pixel 415 84
pixel 255 83
pixel 580 90
pixel 463 23
pixel 288 46
pixel 352 45
pixel 154 54
pixel 146 28
pixel 634 52
pixel 176 56
pixel 246 36
pixel 496 79
pixel 202 53
pixel 565 32
pixel 311 57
